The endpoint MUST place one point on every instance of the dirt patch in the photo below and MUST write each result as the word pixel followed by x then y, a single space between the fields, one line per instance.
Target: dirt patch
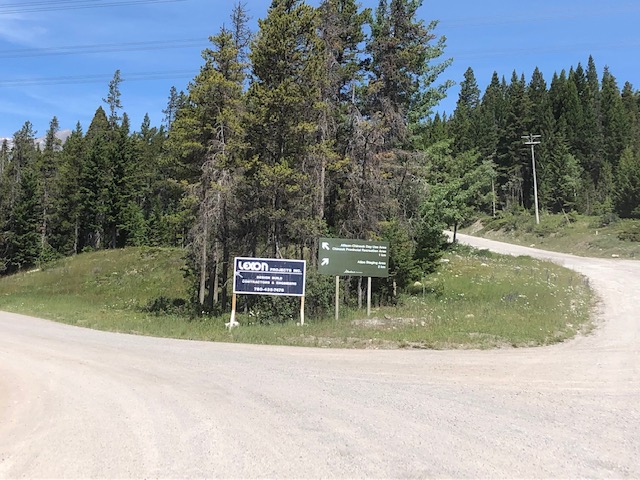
pixel 387 322
pixel 346 342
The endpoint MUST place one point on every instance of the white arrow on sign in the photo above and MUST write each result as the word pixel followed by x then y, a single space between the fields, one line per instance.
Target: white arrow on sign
pixel 325 246
pixel 325 262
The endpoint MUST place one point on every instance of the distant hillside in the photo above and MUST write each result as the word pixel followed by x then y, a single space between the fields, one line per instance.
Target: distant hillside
pixel 62 135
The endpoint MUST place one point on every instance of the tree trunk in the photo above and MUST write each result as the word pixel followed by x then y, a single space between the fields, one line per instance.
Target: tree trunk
pixel 215 283
pixel 203 266
pixel 76 234
pixel 225 272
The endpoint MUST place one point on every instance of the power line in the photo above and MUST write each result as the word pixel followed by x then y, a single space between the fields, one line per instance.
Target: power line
pixel 194 42
pixel 103 48
pixel 43 6
pixel 548 50
pixel 556 15
pixel 97 78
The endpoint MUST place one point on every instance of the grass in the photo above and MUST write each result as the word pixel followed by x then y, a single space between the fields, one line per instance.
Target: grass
pixel 576 234
pixel 475 300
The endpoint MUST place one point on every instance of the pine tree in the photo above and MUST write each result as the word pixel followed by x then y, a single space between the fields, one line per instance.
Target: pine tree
pixel 403 74
pixel 491 122
pixel 126 224
pixel 560 175
pixel 627 185
pixel 4 156
pixel 96 183
pixel 631 104
pixel 514 165
pixel 285 104
pixel 341 28
pixel 174 103
pixel 208 134
pixel 399 95
pixel 592 135
pixel 113 99
pixel 465 121
pixel 144 179
pixel 615 124
pixel 540 112
pixel 49 176
pixel 66 223
pixel 20 217
pixel 23 247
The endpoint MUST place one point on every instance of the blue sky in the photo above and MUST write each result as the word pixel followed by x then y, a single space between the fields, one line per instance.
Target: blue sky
pixel 57 57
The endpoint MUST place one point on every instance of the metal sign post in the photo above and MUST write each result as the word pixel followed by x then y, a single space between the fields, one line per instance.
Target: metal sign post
pixel 368 296
pixel 337 297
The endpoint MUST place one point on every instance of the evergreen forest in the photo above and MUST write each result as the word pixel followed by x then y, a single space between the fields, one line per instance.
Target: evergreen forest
pixel 322 122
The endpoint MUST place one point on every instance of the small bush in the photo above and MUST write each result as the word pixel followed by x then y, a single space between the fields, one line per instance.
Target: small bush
pixel 167 306
pixel 319 294
pixel 630 233
pixel 606 220
pixel 268 310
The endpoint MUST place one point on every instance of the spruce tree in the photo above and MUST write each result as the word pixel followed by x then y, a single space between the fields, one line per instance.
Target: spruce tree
pixel 491 121
pixel 615 123
pixel 631 104
pixel 96 182
pixel 627 185
pixel 403 69
pixel 49 177
pixel 4 156
pixel 514 165
pixel 341 28
pixel 285 104
pixel 67 222
pixel 208 136
pixel 465 121
pixel 21 215
pixel 560 175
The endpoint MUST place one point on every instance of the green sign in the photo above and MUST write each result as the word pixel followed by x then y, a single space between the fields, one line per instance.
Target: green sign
pixel 358 258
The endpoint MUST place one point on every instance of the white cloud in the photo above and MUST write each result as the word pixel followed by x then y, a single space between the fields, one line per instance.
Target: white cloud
pixel 21 30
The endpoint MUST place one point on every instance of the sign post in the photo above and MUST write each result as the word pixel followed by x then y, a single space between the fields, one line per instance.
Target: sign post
pixel 268 276
pixel 359 258
pixel 337 297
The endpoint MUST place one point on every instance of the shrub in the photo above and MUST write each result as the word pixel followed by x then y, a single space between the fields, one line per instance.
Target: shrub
pixel 167 306
pixel 630 233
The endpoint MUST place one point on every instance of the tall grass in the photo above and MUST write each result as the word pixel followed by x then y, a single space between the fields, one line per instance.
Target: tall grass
pixel 475 300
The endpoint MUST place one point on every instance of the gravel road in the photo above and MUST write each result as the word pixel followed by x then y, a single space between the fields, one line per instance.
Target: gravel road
pixel 76 403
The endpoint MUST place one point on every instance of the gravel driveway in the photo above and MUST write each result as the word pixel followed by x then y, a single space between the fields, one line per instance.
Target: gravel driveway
pixel 77 403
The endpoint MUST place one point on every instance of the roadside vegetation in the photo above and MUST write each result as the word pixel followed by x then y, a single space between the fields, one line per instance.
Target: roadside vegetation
pixel 475 299
pixel 591 236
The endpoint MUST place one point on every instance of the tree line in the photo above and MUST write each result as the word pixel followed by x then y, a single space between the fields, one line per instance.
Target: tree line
pixel 319 123
pixel 589 152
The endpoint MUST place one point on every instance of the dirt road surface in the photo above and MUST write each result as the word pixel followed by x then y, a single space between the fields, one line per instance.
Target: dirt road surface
pixel 76 403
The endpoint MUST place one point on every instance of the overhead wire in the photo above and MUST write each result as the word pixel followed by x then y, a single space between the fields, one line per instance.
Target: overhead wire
pixel 44 6
pixel 533 17
pixel 103 48
pixel 96 78
pixel 191 42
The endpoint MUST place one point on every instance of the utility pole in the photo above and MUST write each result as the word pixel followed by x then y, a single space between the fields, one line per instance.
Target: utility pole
pixel 533 140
